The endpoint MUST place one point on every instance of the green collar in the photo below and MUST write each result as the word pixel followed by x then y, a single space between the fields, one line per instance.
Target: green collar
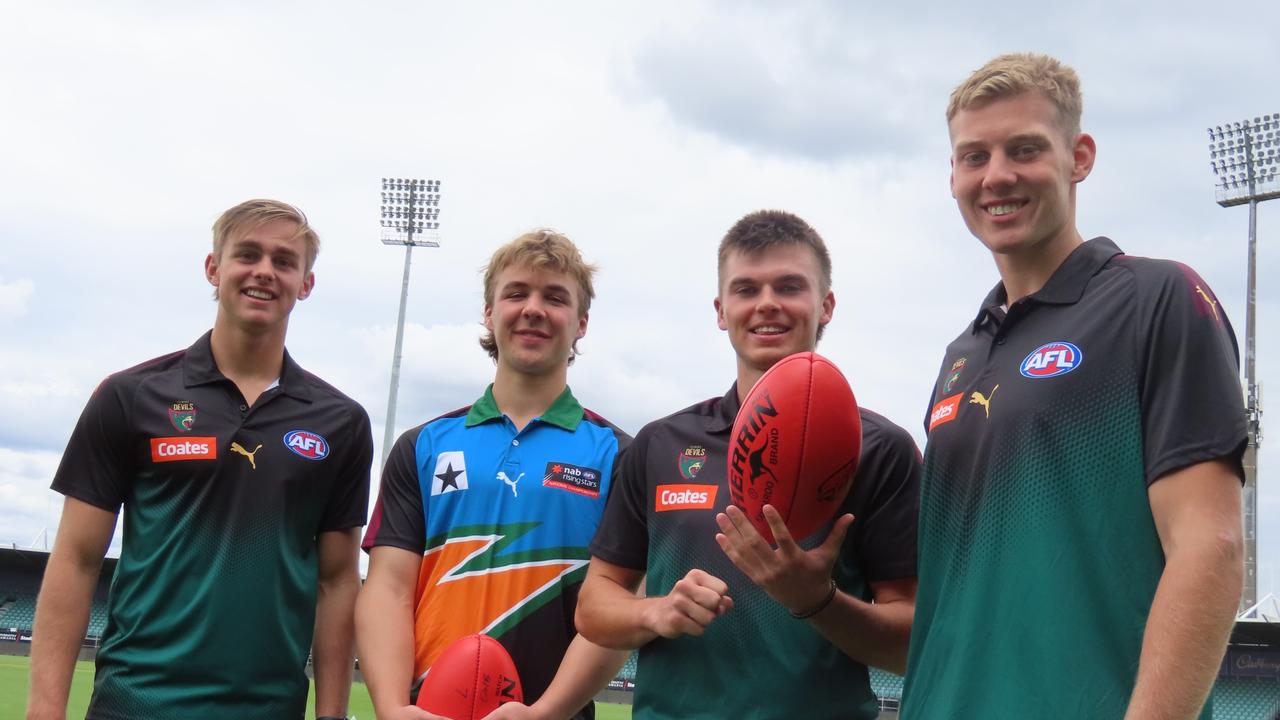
pixel 565 412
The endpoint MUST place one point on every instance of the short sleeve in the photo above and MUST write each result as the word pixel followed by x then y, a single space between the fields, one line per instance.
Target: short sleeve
pixel 885 501
pixel 98 465
pixel 348 504
pixel 399 517
pixel 1192 407
pixel 623 535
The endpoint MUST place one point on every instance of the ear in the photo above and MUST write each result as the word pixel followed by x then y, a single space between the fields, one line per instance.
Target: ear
pixel 1083 153
pixel 307 286
pixel 488 317
pixel 828 308
pixel 211 269
pixel 720 321
pixel 952 177
pixel 582 326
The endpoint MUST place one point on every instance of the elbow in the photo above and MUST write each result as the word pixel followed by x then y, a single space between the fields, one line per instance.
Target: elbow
pixel 583 620
pixel 1229 547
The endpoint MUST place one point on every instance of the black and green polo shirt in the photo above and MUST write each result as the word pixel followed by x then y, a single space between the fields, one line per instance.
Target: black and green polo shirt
pixel 213 601
pixel 1039 557
pixel 756 661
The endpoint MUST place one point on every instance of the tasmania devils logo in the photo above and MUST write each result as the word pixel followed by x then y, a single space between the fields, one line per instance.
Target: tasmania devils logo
pixel 1051 360
pixel 307 444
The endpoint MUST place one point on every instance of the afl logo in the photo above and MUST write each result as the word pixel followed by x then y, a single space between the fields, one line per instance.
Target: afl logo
pixel 307 444
pixel 1051 360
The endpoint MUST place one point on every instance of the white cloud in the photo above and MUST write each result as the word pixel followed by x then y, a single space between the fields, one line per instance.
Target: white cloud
pixel 14 296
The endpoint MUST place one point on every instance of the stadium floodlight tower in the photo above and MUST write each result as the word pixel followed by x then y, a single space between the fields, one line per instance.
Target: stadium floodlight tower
pixel 1245 156
pixel 410 217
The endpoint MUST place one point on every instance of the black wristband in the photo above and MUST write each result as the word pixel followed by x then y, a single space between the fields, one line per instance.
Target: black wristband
pixel 831 594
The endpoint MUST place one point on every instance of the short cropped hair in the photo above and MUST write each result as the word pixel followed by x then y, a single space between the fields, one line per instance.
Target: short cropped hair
pixel 254 213
pixel 1017 73
pixel 765 229
pixel 541 249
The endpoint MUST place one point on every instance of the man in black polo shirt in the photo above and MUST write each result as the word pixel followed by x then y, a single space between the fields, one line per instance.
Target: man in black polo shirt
pixel 1080 534
pixel 244 482
pixel 730 627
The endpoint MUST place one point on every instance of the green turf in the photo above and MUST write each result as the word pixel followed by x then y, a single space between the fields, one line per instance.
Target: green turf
pixel 13 693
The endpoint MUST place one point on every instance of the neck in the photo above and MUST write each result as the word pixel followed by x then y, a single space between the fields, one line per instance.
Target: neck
pixel 523 397
pixel 251 361
pixel 1026 272
pixel 747 378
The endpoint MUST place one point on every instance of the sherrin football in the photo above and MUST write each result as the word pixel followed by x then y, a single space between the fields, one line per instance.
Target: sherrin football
pixel 795 445
pixel 470 679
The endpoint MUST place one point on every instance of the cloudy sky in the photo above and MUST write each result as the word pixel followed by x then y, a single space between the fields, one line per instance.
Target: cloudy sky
pixel 642 131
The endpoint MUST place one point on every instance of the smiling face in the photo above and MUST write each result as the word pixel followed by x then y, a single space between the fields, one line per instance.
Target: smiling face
pixel 535 319
pixel 259 275
pixel 771 303
pixel 1013 175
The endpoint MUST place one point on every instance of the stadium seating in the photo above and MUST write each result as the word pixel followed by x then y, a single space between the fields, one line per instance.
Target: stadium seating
pixel 628 671
pixel 19 610
pixel 1246 699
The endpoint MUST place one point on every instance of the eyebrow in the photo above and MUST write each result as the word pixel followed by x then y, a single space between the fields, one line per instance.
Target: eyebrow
pixel 522 285
pixel 788 278
pixel 248 242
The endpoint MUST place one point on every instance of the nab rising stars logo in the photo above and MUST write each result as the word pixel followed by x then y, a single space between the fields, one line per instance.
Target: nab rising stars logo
pixel 1051 360
pixel 307 444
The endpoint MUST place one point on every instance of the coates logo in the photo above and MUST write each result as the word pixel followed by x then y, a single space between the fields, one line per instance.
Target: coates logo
pixel 945 411
pixel 1051 360
pixel 174 449
pixel 684 497
pixel 307 444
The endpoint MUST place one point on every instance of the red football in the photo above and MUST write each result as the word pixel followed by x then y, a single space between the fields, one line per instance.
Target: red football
pixel 470 679
pixel 795 445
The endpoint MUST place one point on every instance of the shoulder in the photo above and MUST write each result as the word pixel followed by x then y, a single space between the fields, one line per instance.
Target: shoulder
pixel 596 422
pixel 125 382
pixel 693 418
pixel 1155 273
pixel 880 431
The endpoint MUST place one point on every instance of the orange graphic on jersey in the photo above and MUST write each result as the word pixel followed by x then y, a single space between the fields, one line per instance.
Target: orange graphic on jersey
pixel 456 603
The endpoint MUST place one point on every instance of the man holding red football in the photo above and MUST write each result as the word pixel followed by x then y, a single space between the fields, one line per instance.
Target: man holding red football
pixel 485 514
pixel 808 615
pixel 244 481
pixel 1080 528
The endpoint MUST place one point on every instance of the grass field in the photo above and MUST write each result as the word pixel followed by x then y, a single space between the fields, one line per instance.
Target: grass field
pixel 13 694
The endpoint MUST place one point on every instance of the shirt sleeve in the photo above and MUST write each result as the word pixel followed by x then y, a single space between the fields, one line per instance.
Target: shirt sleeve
pixel 623 535
pixel 98 465
pixel 399 518
pixel 1192 408
pixel 885 501
pixel 349 499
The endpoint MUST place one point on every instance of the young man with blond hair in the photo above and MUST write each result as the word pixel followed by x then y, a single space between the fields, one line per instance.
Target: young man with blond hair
pixel 244 481
pixel 731 627
pixel 485 513
pixel 1080 530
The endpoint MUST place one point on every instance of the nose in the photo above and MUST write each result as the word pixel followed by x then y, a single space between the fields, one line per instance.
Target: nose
pixel 533 307
pixel 264 268
pixel 1000 174
pixel 766 301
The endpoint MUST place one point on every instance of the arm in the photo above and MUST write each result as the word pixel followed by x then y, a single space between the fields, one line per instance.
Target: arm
pixel 584 671
pixel 610 614
pixel 62 610
pixel 875 633
pixel 334 639
pixel 384 631
pixel 1197 515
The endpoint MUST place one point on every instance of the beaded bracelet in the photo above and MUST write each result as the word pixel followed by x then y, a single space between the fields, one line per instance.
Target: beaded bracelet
pixel 831 594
